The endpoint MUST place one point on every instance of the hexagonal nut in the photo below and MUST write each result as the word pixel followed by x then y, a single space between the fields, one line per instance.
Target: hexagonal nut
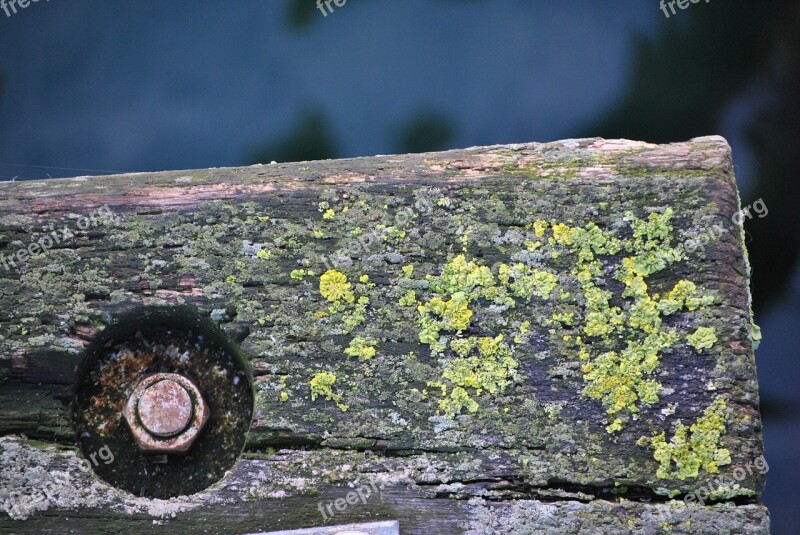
pixel 166 413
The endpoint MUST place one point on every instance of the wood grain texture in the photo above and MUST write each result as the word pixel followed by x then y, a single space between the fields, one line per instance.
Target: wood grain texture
pixel 534 454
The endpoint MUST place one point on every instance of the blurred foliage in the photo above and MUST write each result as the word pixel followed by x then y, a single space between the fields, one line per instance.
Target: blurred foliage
pixel 685 75
pixel 774 136
pixel 311 139
pixel 301 12
pixel 683 79
pixel 428 131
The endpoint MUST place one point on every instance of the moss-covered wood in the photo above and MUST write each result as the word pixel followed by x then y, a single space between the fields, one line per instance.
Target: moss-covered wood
pixel 560 331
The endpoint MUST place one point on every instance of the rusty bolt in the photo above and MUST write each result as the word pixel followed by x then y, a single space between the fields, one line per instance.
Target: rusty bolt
pixel 166 413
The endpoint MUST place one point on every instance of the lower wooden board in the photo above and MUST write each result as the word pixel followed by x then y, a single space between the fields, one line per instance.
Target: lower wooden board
pixel 55 491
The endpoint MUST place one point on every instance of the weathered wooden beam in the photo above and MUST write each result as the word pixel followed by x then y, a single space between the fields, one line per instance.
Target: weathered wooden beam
pixel 511 339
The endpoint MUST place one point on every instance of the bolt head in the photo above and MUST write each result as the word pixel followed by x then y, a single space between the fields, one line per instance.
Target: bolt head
pixel 165 408
pixel 166 413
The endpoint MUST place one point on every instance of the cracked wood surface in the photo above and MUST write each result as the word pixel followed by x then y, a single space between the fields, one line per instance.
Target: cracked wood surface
pixel 533 456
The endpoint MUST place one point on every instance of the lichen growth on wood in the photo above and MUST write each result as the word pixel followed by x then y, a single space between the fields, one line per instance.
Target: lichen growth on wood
pixel 334 287
pixel 694 448
pixel 322 385
pixel 482 363
pixel 361 347
pixel 702 338
pixel 622 378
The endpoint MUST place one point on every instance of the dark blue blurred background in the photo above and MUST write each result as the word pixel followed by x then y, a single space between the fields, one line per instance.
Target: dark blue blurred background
pixel 88 87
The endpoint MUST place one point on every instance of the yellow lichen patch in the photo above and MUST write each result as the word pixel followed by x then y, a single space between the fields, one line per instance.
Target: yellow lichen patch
pixel 586 241
pixel 483 364
pixel 490 370
pixel 683 295
pixel 539 227
pixel 409 299
pixel 300 274
pixel 355 315
pixel 622 378
pixel 334 287
pixel 694 448
pixel 651 243
pixel 393 232
pixel 460 276
pixel 458 400
pixel 437 315
pixel 322 385
pixel 702 338
pixel 361 347
pixel 525 282
pixel 563 318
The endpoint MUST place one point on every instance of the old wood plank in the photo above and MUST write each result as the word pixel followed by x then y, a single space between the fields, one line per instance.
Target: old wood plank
pixel 241 243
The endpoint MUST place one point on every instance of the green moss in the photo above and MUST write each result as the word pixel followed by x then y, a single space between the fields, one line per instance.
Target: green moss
pixel 322 385
pixel 702 338
pixel 692 449
pixel 361 347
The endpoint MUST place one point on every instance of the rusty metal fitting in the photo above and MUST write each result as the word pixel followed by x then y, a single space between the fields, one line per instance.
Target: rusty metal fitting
pixel 166 413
